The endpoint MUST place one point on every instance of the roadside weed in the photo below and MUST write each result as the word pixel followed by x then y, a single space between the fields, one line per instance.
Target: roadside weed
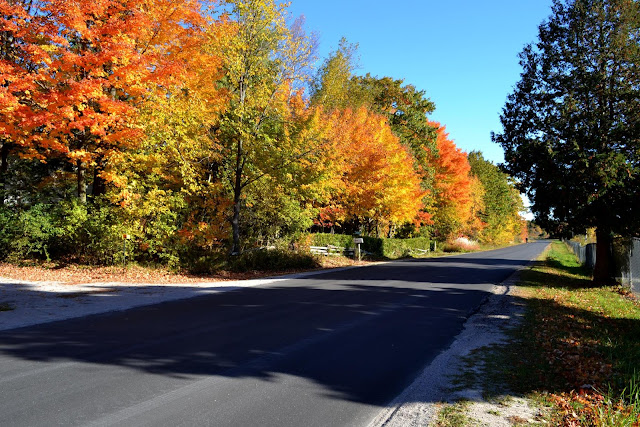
pixel 453 415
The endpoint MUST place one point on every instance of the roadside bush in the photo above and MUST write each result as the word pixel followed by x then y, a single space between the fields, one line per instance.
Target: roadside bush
pixel 31 233
pixel 272 260
pixel 201 262
pixel 396 248
pixel 7 231
pixel 325 239
pixel 403 247
pixel 92 233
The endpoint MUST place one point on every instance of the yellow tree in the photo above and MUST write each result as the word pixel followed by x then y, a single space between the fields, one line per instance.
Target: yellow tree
pixel 169 183
pixel 474 225
pixel 264 60
pixel 332 85
pixel 501 202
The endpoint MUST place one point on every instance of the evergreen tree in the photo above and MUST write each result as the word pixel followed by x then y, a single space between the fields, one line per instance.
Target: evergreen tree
pixel 571 128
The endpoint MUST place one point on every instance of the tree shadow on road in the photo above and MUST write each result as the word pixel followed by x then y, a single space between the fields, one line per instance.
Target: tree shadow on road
pixel 336 337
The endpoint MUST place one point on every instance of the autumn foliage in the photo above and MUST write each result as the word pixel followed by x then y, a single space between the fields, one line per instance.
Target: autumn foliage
pixel 374 180
pixel 452 185
pixel 198 129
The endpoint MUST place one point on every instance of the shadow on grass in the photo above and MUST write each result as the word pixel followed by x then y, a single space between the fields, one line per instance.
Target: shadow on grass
pixel 563 349
pixel 570 352
pixel 538 279
pixel 573 270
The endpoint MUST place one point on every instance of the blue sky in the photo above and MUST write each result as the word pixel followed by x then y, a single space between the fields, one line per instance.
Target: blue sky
pixel 463 53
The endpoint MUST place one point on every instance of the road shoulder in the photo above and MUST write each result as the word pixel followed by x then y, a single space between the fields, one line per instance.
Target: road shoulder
pixel 436 387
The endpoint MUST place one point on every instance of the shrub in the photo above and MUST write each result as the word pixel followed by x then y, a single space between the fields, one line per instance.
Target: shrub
pixel 202 262
pixel 398 248
pixel 272 260
pixel 8 231
pixel 32 232
pixel 461 244
pixel 92 233
pixel 325 239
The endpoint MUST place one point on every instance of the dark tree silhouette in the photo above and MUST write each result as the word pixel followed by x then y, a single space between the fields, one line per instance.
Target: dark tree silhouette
pixel 571 127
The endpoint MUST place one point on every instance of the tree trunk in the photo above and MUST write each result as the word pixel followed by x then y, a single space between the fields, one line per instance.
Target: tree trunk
pixel 237 184
pixel 603 270
pixel 82 182
pixel 99 184
pixel 4 167
pixel 235 222
pixel 237 192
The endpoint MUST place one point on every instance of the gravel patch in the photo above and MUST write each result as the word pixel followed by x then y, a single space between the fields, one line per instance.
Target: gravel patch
pixel 516 411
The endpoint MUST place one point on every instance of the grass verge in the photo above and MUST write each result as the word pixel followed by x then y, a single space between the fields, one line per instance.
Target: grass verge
pixel 578 348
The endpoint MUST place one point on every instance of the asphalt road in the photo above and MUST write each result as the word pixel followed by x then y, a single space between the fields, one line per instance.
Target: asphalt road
pixel 330 349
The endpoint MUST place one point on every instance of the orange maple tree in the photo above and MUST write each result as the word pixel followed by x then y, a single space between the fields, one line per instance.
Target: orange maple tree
pixel 452 185
pixel 23 55
pixel 91 63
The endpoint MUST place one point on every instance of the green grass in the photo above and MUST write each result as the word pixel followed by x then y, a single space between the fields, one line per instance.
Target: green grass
pixel 453 415
pixel 578 347
pixel 576 353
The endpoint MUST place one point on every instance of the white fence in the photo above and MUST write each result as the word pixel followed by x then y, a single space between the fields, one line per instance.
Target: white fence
pixel 331 250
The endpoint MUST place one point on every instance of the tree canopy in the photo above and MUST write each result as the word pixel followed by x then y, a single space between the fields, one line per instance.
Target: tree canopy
pixel 501 202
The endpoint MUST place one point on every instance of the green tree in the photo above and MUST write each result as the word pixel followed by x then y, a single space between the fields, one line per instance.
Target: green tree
pixel 501 202
pixel 405 107
pixel 264 61
pixel 571 128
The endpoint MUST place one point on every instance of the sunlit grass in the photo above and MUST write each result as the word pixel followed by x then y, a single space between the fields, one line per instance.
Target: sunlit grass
pixel 453 415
